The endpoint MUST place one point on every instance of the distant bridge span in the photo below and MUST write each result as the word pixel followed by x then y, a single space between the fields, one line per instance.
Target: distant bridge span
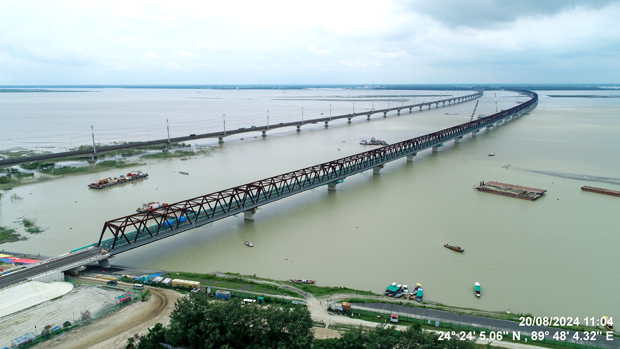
pixel 220 135
pixel 138 229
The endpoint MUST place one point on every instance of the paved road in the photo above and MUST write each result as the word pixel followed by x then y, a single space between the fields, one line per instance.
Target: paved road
pixel 59 263
pixel 482 322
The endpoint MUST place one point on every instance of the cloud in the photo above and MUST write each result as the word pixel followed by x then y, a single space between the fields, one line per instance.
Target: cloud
pixel 316 50
pixel 174 64
pixel 149 55
pixel 186 54
pixel 491 13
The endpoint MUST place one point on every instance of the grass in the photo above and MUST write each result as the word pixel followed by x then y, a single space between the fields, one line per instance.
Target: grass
pixel 172 154
pixel 9 235
pixel 327 290
pixel 31 227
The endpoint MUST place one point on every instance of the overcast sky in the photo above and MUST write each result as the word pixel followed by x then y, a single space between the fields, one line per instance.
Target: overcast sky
pixel 309 42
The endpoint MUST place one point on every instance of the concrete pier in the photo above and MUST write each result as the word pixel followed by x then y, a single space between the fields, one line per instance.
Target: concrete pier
pixel 332 186
pixel 349 121
pixel 104 263
pixel 249 214
pixel 489 127
pixel 298 128
pixel 398 112
pixel 368 118
pixel 384 114
pixel 411 156
pixel 473 134
pixel 458 139
pixel 377 170
pixel 327 123
pixel 436 147
pixel 264 133
pixel 220 140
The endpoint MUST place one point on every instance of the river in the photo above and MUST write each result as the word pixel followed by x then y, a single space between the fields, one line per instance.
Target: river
pixel 552 257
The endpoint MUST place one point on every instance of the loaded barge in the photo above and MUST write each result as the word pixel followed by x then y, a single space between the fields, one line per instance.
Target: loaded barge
pixel 514 191
pixel 601 190
pixel 109 182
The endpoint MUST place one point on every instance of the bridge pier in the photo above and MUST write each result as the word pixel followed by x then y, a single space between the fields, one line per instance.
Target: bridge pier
pixel 398 112
pixel 444 104
pixel 410 110
pixel 298 128
pixel 368 117
pixel 92 160
pixel 384 114
pixel 220 140
pixel 332 186
pixel 327 124
pixel 429 107
pixel 264 133
pixel 165 150
pixel 489 127
pixel 104 263
pixel 473 134
pixel 458 139
pixel 437 105
pixel 436 147
pixel 249 214
pixel 377 170
pixel 411 156
pixel 349 121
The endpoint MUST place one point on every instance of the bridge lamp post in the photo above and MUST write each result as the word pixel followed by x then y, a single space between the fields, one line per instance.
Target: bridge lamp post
pixel 353 108
pixel 224 120
pixel 302 115
pixel 267 119
pixel 330 111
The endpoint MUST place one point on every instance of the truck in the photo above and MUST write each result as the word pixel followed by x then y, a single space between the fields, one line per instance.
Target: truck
pixel 223 295
pixel 346 306
pixel 185 283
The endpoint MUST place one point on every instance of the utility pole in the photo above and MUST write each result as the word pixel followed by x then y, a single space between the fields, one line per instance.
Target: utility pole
pixel 93 132
pixel 224 120
pixel 267 119
pixel 330 111
pixel 302 115
pixel 353 108
pixel 168 127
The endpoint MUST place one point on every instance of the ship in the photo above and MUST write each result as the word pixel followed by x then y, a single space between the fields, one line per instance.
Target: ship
pixel 122 179
pixel 373 141
pixel 249 244
pixel 303 281
pixel 515 191
pixel 477 289
pixel 454 248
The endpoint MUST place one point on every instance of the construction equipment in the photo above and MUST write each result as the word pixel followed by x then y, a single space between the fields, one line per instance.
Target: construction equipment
pixel 472 114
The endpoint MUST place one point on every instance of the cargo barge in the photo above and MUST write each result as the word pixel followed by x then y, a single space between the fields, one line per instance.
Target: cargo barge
pixel 109 182
pixel 601 190
pixel 514 191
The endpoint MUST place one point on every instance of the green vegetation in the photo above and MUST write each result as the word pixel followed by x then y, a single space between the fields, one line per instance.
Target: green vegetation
pixel 5 179
pixel 200 322
pixel 9 235
pixel 145 294
pixel 171 154
pixel 326 290
pixel 31 226
pixel 38 165
pixel 66 324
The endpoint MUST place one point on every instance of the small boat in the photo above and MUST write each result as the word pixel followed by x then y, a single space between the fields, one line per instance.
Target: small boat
pixel 389 288
pixel 303 281
pixel 477 289
pixel 454 248
pixel 395 290
pixel 146 207
pixel 402 291
pixel 414 292
pixel 185 173
pixel 608 323
pixel 249 244
pixel 491 154
pixel 419 295
pixel 373 141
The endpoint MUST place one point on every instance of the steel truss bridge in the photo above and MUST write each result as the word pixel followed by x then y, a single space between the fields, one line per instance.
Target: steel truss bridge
pixel 167 141
pixel 135 230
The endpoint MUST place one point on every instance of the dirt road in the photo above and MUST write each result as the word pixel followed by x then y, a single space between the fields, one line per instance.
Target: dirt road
pixel 113 330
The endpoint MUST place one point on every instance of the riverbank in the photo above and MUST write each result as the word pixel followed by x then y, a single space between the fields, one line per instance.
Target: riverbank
pixel 43 171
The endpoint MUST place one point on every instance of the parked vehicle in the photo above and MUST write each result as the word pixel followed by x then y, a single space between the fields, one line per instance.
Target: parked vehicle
pixel 112 283
pixel 138 287
pixel 223 295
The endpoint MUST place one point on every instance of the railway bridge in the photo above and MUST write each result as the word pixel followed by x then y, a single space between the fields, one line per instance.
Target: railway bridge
pixel 135 230
pixel 92 153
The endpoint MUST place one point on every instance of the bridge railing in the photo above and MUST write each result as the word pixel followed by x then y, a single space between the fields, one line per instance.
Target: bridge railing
pixel 136 229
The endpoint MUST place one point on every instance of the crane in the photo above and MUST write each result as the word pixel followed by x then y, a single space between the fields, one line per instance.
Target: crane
pixel 472 114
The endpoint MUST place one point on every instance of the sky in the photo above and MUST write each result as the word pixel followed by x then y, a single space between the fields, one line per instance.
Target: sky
pixel 135 42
